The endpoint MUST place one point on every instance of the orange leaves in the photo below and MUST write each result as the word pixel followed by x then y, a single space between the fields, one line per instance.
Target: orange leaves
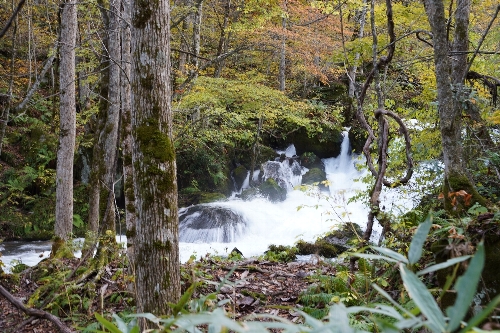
pixel 458 197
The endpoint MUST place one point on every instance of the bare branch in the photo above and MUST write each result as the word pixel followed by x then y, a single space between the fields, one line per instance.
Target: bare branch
pixel 34 312
pixel 9 23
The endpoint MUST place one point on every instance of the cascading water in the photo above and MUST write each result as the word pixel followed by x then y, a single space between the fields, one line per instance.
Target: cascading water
pixel 303 215
pixel 253 225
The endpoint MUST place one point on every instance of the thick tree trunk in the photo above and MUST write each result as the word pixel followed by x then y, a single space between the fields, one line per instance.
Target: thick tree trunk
pixel 67 127
pixel 153 160
pixel 449 107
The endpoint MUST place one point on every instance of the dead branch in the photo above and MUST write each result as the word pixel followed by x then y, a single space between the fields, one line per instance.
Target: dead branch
pixel 34 312
pixel 9 23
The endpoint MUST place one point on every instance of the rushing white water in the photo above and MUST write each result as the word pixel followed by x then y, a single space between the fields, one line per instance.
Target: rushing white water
pixel 303 215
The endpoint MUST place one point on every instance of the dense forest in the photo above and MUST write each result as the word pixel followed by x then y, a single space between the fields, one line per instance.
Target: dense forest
pixel 116 114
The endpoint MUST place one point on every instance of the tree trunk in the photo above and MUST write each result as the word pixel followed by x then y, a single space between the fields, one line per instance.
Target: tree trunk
pixel 67 126
pixel 153 160
pixel 7 102
pixel 126 115
pixel 197 34
pixel 282 66
pixel 223 39
pixel 449 107
pixel 186 23
pixel 102 200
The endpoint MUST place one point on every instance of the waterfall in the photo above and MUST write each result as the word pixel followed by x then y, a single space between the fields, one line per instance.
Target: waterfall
pixel 253 225
pixel 303 215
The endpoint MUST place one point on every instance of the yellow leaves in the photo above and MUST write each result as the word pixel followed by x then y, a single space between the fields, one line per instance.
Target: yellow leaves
pixel 495 117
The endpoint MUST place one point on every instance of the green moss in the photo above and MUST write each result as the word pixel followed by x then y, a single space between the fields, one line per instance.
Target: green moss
pixel 154 143
pixel 144 12
pixel 130 233
pixel 456 182
pixel 130 208
pixel 254 295
pixel 147 82
pixel 162 245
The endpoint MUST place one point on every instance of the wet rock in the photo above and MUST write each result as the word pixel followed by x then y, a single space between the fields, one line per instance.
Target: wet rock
pixel 332 244
pixel 209 223
pixel 314 175
pixel 249 194
pixel 310 160
pixel 239 175
pixel 272 191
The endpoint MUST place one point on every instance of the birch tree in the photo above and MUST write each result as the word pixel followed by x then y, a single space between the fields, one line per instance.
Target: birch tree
pixel 67 126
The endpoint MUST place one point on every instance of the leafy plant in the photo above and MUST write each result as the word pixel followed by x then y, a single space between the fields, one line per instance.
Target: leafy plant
pixel 389 317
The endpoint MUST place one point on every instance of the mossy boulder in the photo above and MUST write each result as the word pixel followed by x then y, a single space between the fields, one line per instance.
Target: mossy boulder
pixel 249 194
pixel 325 144
pixel 268 189
pixel 272 191
pixel 239 175
pixel 211 197
pixel 314 175
pixel 264 153
pixel 334 243
pixel 319 247
pixel 191 196
pixel 310 160
pixel 484 227
pixel 357 137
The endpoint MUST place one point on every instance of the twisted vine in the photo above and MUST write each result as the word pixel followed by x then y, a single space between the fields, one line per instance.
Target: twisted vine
pixel 381 115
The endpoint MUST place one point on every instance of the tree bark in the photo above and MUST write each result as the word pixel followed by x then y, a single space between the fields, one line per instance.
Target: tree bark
pixel 67 126
pixel 153 160
pixel 105 151
pixel 223 39
pixel 127 141
pixel 449 105
pixel 282 66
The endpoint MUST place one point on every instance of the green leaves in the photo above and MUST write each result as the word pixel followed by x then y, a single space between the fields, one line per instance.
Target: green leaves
pixel 465 290
pixel 418 240
pixel 424 299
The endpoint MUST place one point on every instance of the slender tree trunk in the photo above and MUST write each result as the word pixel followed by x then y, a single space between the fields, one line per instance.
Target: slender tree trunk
pixel 449 106
pixel 186 24
pixel 153 160
pixel 128 176
pixel 197 34
pixel 360 18
pixel 223 39
pixel 67 126
pixel 4 119
pixel 110 134
pixel 282 66
pixel 102 201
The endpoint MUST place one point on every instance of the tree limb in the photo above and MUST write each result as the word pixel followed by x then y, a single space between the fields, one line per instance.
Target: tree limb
pixel 34 312
pixel 481 41
pixel 9 23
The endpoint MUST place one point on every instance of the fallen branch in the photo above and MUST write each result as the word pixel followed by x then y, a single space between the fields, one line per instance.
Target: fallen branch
pixel 35 312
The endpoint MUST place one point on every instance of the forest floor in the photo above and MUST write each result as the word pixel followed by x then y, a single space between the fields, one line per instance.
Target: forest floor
pixel 249 285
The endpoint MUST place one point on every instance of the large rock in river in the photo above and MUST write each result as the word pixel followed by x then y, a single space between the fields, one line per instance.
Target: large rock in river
pixel 210 223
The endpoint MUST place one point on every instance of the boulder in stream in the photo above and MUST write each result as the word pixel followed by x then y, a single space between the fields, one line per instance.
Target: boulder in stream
pixel 210 223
